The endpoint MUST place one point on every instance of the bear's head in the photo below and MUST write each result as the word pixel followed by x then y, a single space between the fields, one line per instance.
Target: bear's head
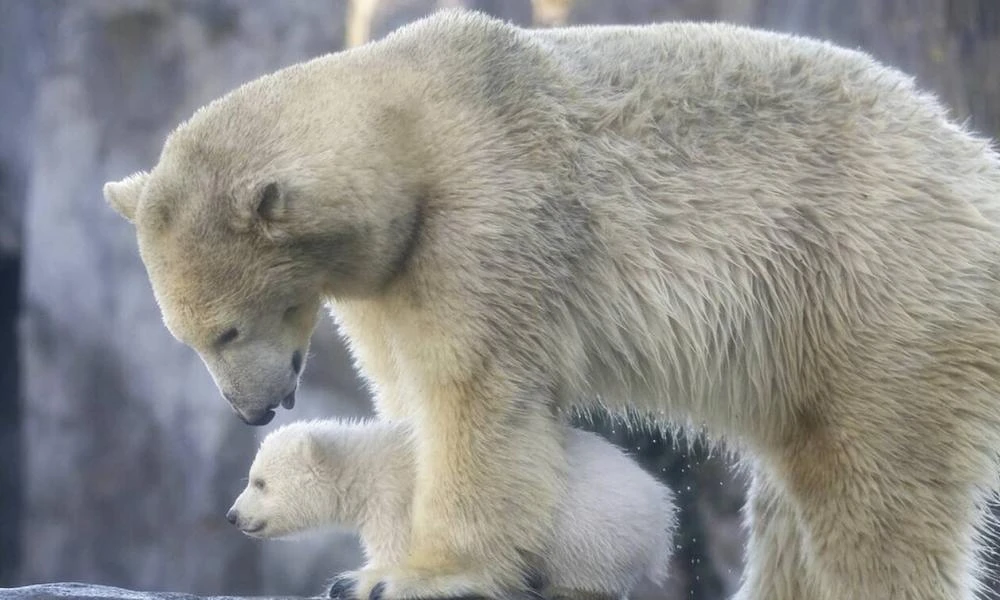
pixel 262 206
pixel 286 491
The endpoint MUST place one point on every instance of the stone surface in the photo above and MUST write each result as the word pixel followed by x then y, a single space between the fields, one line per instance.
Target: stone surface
pixel 83 591
pixel 20 59
pixel 131 457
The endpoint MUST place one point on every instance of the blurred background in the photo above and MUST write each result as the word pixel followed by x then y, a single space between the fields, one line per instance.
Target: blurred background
pixel 118 457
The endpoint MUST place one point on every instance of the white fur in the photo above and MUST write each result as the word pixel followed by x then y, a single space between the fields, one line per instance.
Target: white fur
pixel 613 526
pixel 772 239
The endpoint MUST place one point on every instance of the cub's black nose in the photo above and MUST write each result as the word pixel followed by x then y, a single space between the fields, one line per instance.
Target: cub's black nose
pixel 297 362
pixel 232 516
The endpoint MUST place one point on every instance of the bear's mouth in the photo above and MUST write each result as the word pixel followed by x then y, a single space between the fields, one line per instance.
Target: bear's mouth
pixel 264 418
pixel 256 528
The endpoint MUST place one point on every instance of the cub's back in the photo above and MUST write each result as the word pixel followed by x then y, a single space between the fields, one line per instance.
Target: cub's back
pixel 616 522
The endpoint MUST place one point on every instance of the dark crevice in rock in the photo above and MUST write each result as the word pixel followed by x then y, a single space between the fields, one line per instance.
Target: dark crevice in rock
pixel 10 418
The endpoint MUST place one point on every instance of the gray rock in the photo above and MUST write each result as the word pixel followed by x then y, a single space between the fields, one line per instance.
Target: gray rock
pixel 84 591
pixel 21 56
pixel 131 457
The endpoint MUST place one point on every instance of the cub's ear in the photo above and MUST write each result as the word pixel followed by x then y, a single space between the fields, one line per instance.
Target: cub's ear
pixel 313 450
pixel 123 196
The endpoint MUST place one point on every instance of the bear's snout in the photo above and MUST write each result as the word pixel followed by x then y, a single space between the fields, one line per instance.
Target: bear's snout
pixel 250 411
pixel 256 380
pixel 244 525
pixel 255 418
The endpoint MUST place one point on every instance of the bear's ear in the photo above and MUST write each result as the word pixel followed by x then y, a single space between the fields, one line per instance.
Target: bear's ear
pixel 270 202
pixel 123 196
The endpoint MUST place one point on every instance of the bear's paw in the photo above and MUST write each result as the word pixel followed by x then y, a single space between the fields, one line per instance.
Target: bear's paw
pixel 403 584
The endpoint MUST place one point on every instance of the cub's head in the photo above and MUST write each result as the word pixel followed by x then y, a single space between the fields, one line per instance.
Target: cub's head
pixel 284 493
pixel 259 209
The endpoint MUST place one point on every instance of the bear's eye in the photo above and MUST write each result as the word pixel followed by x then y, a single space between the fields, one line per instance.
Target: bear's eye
pixel 291 313
pixel 228 336
pixel 259 484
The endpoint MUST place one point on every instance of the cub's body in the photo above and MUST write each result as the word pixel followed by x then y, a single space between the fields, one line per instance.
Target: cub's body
pixel 613 525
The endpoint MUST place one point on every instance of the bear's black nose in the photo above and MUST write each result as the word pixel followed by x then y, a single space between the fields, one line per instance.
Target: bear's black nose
pixel 232 516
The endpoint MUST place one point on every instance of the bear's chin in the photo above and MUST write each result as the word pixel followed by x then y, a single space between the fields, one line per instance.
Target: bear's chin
pixel 286 536
pixel 256 531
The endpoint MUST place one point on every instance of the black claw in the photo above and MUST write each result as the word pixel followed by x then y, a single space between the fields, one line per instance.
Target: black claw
pixel 377 592
pixel 342 589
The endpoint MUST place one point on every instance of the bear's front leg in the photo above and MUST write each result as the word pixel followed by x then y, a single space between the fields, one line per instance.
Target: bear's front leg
pixel 775 562
pixel 490 468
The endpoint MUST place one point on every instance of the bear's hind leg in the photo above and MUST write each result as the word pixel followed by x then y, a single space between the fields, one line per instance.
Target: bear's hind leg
pixel 883 517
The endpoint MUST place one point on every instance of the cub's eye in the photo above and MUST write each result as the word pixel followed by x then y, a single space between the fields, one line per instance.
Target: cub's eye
pixel 259 484
pixel 227 337
pixel 291 313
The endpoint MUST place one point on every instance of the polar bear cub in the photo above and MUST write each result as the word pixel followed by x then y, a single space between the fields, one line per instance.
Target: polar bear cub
pixel 614 526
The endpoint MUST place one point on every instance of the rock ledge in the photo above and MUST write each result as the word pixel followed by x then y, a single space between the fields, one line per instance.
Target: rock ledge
pixel 87 591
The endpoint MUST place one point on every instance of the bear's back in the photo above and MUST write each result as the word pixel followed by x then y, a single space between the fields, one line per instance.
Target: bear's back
pixel 702 62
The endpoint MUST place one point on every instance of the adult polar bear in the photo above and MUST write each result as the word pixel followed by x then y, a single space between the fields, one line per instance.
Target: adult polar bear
pixel 771 238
